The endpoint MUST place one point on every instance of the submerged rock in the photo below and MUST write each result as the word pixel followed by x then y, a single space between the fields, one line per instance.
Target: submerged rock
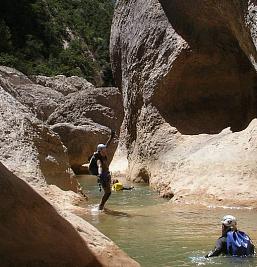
pixel 187 70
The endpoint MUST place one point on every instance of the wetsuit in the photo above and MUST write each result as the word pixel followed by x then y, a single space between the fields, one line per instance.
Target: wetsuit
pixel 221 247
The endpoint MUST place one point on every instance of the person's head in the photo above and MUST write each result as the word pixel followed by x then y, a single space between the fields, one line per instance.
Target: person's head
pixel 101 148
pixel 228 223
pixel 115 181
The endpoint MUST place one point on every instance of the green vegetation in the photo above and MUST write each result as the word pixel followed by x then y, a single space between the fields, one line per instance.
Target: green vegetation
pixel 51 37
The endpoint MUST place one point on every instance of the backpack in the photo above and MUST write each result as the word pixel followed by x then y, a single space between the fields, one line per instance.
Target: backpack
pixel 93 168
pixel 239 244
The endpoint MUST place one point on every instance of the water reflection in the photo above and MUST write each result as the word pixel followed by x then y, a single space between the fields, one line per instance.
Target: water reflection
pixel 159 234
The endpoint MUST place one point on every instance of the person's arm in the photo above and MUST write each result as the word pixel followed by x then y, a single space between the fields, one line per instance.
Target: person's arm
pixel 100 167
pixel 252 247
pixel 110 138
pixel 220 248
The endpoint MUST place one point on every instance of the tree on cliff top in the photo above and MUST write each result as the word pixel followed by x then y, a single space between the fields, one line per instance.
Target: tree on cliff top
pixel 51 37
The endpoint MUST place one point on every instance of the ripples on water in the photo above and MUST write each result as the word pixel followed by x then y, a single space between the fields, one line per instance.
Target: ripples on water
pixel 158 234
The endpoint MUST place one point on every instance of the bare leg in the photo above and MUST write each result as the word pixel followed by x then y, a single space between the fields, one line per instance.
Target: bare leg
pixel 105 197
pixel 106 185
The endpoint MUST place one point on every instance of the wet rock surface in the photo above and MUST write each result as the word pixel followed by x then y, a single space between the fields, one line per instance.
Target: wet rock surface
pixel 187 70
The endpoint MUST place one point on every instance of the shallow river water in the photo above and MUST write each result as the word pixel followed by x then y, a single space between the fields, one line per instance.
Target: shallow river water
pixel 157 233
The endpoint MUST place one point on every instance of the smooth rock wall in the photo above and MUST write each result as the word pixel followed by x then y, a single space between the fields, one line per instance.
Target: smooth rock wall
pixel 34 234
pixel 187 71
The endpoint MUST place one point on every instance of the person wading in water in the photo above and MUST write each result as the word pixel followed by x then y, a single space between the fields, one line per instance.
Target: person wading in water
pixel 232 241
pixel 99 166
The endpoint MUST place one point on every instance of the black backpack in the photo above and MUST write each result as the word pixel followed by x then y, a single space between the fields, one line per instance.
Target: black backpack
pixel 93 168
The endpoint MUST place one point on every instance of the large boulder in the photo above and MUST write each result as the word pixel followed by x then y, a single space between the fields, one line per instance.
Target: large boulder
pixel 79 113
pixel 85 120
pixel 34 234
pixel 29 149
pixel 30 224
pixel 13 76
pixel 63 84
pixel 186 77
pixel 41 100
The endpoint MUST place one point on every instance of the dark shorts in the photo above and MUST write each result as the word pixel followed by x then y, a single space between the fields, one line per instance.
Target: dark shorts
pixel 105 181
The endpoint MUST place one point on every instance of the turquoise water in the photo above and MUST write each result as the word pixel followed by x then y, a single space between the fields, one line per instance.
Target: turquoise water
pixel 157 233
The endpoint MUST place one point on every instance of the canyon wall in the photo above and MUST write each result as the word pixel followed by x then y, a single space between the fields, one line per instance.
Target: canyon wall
pixel 29 149
pixel 35 165
pixel 187 70
pixel 35 234
pixel 69 108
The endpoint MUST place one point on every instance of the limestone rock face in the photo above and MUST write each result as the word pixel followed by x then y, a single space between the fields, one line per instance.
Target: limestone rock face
pixel 13 76
pixel 41 100
pixel 187 70
pixel 87 114
pixel 29 223
pixel 29 149
pixel 85 120
pixel 63 84
pixel 105 250
pixel 34 234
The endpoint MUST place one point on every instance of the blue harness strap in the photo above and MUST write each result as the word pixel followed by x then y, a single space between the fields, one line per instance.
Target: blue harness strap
pixel 238 244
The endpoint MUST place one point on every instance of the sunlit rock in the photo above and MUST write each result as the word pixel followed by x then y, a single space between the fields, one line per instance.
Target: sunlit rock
pixel 29 149
pixel 41 100
pixel 34 234
pixel 63 84
pixel 85 120
pixel 187 70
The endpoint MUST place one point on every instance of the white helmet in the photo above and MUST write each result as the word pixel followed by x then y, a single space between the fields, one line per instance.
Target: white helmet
pixel 229 220
pixel 100 147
